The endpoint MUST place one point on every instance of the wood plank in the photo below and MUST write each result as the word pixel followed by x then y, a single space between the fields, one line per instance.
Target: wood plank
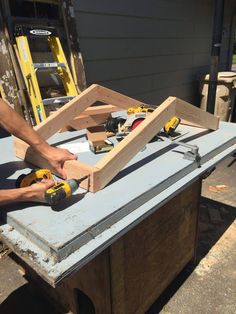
pixel 73 108
pixel 83 122
pixel 118 276
pixel 77 67
pixel 146 259
pixel 183 121
pixel 105 170
pixel 93 280
pixel 109 96
pixel 116 159
pixel 195 115
pixel 101 109
pixel 8 80
pixel 74 168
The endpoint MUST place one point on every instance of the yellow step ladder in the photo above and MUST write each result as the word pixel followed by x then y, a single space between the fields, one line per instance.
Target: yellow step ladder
pixel 29 68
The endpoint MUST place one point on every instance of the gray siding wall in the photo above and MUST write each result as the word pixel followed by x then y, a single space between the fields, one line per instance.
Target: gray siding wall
pixel 149 49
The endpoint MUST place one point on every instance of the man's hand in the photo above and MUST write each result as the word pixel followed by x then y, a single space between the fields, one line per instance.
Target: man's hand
pixel 36 191
pixel 57 157
pixel 33 193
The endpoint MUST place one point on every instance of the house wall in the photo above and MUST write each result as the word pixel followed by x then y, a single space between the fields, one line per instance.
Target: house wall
pixel 149 49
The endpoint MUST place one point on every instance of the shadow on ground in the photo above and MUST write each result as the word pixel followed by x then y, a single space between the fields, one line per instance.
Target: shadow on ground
pixel 25 300
pixel 214 219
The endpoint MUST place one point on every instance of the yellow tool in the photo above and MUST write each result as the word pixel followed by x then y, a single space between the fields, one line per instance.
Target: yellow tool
pixel 171 125
pixel 143 108
pixel 29 68
pixel 62 190
pixel 137 115
pixel 55 194
pixel 34 176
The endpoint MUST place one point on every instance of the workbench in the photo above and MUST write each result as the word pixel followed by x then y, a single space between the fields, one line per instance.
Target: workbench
pixel 116 250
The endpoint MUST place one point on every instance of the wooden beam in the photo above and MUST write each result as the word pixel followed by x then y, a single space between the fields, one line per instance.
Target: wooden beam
pixel 65 114
pixel 195 115
pixel 117 158
pixel 109 96
pixel 101 109
pixel 105 170
pixel 77 67
pixel 84 122
pixel 8 80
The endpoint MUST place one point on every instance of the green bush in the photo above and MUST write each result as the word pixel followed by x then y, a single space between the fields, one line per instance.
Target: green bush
pixel 234 59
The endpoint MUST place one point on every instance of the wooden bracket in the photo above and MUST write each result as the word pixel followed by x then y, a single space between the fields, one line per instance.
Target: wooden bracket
pixel 107 168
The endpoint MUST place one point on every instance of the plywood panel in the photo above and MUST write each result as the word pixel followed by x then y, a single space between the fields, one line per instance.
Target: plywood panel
pixel 147 258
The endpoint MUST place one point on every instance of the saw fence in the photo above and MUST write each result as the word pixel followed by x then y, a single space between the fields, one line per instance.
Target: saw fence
pixel 79 109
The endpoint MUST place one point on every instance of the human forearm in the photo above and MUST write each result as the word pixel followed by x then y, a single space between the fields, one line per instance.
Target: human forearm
pixel 32 193
pixel 14 195
pixel 16 125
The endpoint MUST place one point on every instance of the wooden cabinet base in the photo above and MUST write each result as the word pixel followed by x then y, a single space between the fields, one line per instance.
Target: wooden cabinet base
pixel 130 275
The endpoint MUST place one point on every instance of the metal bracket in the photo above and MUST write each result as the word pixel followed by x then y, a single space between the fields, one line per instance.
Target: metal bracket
pixel 192 154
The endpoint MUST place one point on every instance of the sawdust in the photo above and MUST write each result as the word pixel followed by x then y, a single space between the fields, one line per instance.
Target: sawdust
pixel 218 188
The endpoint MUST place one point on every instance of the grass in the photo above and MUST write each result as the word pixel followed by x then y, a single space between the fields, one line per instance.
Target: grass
pixel 234 59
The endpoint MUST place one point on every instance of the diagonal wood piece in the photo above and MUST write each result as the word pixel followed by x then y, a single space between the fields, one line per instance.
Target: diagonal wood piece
pixel 109 96
pixel 117 158
pixel 195 115
pixel 65 114
pixel 105 170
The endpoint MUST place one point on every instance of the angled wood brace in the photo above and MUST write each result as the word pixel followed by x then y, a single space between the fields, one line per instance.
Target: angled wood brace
pixel 107 168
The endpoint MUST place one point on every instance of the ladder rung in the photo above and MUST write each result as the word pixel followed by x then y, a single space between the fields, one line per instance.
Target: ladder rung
pixel 57 100
pixel 51 65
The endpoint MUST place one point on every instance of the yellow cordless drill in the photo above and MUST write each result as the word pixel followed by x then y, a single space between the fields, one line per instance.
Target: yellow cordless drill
pixel 61 189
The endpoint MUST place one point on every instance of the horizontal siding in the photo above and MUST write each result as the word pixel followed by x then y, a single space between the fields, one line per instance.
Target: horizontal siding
pixel 147 49
pixel 188 92
pixel 117 48
pixel 158 81
pixel 156 9
pixel 117 69
pixel 107 26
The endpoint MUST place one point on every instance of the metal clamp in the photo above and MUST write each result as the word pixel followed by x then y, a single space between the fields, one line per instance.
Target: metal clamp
pixel 192 154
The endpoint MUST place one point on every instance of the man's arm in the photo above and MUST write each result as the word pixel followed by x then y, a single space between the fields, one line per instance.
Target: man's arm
pixel 33 193
pixel 16 125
